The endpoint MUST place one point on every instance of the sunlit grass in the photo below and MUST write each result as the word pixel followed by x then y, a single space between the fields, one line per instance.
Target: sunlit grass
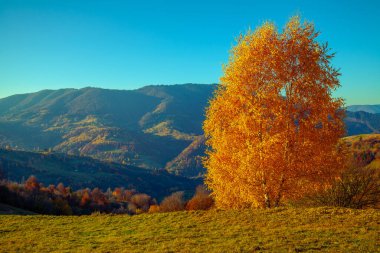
pixel 280 230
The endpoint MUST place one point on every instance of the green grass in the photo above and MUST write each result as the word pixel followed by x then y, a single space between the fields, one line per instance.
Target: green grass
pixel 276 230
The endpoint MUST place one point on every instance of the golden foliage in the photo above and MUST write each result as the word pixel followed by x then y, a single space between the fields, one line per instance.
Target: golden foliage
pixel 272 127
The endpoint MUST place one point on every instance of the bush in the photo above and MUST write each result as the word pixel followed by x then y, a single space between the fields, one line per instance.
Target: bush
pixel 61 200
pixel 173 203
pixel 201 200
pixel 142 201
pixel 154 209
pixel 356 188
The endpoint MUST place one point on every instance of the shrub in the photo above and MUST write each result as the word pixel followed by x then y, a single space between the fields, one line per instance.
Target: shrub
pixel 154 209
pixel 131 208
pixel 356 188
pixel 142 201
pixel 173 203
pixel 201 200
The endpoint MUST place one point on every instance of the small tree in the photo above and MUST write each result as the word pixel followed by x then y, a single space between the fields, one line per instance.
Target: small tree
pixel 86 198
pixel 272 127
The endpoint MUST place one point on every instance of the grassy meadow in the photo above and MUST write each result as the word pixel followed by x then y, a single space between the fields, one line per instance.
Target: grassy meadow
pixel 276 230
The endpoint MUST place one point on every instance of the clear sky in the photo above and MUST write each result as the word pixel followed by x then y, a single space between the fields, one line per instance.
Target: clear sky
pixel 56 44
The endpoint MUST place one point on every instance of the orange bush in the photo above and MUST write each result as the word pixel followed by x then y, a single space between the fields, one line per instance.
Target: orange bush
pixel 201 200
pixel 154 209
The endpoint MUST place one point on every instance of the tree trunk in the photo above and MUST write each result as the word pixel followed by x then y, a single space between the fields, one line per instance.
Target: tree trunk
pixel 267 200
pixel 279 194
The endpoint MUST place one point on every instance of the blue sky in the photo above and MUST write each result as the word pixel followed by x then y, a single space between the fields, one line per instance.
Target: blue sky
pixel 128 44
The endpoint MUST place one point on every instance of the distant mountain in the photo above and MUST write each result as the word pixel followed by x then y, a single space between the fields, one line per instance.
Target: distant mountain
pixel 147 127
pixel 81 172
pixel 362 123
pixel 364 108
pixel 152 127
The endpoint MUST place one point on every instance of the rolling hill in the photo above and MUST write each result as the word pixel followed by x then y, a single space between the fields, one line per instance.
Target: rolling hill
pixel 152 127
pixel 366 147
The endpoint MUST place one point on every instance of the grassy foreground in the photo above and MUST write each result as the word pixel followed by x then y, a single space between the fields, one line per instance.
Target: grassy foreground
pixel 277 230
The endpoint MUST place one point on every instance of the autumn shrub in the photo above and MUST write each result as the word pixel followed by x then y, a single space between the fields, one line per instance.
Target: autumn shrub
pixel 356 188
pixel 142 201
pixel 131 208
pixel 201 200
pixel 154 209
pixel 173 203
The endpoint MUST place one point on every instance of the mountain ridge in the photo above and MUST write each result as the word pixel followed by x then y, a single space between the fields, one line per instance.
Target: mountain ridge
pixel 365 108
pixel 146 127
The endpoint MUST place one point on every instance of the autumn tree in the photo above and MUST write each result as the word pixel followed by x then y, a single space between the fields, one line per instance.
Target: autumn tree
pixel 86 198
pixel 272 127
pixel 98 197
pixel 32 184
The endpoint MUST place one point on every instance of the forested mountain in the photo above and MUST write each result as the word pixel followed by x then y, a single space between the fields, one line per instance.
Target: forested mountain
pixel 152 127
pixel 147 127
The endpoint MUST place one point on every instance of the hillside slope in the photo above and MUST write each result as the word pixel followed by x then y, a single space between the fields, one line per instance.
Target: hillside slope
pixel 81 172
pixel 275 230
pixel 189 162
pixel 366 148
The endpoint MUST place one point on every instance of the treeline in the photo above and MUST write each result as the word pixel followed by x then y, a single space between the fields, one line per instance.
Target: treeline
pixel 62 200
